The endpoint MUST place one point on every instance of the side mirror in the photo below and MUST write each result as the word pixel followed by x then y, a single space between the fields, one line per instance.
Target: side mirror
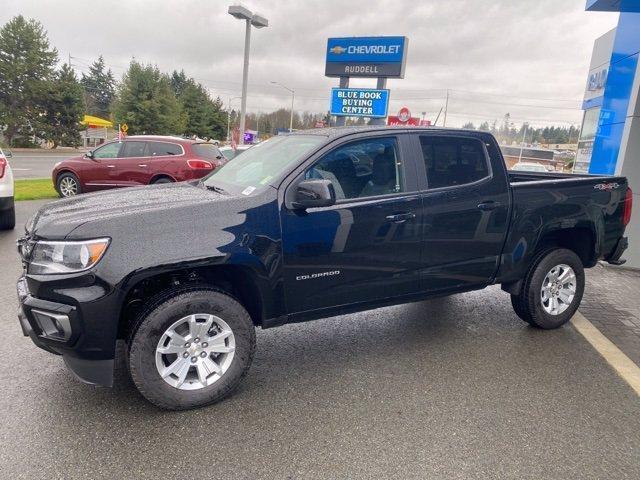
pixel 8 154
pixel 89 154
pixel 314 193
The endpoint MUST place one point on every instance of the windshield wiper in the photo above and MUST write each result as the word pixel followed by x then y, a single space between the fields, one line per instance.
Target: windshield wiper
pixel 215 189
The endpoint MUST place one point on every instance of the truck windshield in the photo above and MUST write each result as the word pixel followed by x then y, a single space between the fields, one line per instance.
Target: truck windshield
pixel 264 162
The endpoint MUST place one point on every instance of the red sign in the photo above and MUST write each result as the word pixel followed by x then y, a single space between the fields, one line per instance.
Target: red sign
pixel 410 122
pixel 320 124
pixel 404 114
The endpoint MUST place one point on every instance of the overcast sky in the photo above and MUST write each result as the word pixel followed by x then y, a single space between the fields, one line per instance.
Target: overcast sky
pixel 526 57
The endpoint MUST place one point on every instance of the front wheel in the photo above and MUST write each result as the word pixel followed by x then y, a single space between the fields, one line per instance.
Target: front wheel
pixel 191 348
pixel 552 289
pixel 68 185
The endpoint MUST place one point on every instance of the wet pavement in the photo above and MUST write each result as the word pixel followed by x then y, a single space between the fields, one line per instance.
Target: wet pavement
pixel 450 388
pixel 37 164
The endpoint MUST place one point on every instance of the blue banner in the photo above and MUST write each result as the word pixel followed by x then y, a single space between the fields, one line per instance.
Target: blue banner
pixel 366 49
pixel 359 102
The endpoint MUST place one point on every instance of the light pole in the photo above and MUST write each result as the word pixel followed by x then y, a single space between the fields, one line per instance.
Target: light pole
pixel 293 96
pixel 258 21
pixel 524 134
pixel 229 115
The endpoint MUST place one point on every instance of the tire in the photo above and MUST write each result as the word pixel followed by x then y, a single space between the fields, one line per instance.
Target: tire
pixel 516 304
pixel 180 390
pixel 8 217
pixel 532 306
pixel 68 185
pixel 161 180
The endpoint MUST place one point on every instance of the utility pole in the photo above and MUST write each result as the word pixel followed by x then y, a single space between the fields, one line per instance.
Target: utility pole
pixel 446 107
pixel 293 96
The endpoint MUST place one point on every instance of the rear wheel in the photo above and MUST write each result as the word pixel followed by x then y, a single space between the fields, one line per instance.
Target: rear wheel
pixel 8 217
pixel 161 180
pixel 191 348
pixel 68 185
pixel 552 289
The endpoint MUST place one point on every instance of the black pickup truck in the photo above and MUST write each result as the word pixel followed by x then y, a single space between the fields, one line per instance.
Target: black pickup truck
pixel 303 226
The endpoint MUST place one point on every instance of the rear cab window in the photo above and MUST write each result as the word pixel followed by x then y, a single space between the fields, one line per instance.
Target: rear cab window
pixel 206 151
pixel 163 149
pixel 132 149
pixel 453 161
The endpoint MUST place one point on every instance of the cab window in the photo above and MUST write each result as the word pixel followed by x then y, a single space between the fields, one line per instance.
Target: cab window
pixel 365 168
pixel 134 149
pixel 451 161
pixel 162 149
pixel 110 150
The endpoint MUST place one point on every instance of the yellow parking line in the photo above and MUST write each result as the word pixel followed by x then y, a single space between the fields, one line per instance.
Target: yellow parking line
pixel 622 364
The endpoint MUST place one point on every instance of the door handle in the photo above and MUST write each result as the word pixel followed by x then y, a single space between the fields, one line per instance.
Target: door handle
pixel 401 217
pixel 142 164
pixel 490 205
pixel 111 166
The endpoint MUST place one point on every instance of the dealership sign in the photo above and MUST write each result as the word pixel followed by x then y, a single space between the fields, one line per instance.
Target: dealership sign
pixel 359 102
pixel 366 57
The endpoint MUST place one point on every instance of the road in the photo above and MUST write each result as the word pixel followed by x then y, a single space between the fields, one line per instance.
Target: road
pixel 450 388
pixel 37 164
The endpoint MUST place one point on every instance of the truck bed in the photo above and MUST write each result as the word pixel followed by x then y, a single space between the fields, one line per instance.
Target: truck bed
pixel 519 177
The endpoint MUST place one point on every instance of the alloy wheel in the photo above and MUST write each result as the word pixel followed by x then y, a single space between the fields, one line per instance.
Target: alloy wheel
pixel 195 351
pixel 558 289
pixel 68 187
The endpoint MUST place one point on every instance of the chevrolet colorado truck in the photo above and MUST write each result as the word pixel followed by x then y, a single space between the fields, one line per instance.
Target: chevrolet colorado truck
pixel 303 226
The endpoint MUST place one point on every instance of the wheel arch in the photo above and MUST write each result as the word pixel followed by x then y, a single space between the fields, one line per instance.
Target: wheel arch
pixel 240 282
pixel 581 240
pixel 158 176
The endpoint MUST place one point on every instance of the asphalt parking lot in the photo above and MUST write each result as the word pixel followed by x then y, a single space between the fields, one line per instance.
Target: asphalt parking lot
pixel 26 164
pixel 450 388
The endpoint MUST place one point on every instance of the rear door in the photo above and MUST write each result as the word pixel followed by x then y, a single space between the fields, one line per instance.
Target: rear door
pixel 465 205
pixel 100 172
pixel 364 248
pixel 133 164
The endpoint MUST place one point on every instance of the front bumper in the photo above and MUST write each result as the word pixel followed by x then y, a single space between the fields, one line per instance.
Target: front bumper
pixel 68 328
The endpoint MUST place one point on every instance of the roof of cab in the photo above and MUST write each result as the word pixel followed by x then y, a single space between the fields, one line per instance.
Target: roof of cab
pixel 336 132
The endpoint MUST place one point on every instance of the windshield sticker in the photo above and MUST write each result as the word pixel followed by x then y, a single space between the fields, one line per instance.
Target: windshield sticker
pixel 248 190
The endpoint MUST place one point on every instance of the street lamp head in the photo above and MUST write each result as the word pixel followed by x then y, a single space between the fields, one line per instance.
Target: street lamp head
pixel 240 12
pixel 259 21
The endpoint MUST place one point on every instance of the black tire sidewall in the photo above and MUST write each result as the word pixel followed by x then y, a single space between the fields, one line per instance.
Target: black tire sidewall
pixel 535 313
pixel 75 179
pixel 152 325
pixel 8 217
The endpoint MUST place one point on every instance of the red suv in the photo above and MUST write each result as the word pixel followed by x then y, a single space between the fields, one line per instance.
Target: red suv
pixel 134 161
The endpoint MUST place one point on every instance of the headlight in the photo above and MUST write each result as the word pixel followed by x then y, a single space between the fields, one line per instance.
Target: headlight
pixel 66 256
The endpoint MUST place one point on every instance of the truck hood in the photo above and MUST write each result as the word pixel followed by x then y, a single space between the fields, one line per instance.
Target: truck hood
pixel 127 206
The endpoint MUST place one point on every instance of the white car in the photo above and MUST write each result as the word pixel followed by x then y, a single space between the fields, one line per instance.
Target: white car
pixel 529 167
pixel 229 153
pixel 7 206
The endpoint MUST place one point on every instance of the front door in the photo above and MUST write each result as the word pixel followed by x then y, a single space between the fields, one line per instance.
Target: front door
pixel 99 172
pixel 465 211
pixel 364 248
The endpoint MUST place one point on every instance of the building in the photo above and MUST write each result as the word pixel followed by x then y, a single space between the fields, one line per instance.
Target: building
pixel 610 136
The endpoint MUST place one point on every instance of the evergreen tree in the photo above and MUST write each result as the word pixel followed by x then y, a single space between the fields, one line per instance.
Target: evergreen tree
pixel 147 104
pixel 26 67
pixel 64 108
pixel 205 117
pixel 100 87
